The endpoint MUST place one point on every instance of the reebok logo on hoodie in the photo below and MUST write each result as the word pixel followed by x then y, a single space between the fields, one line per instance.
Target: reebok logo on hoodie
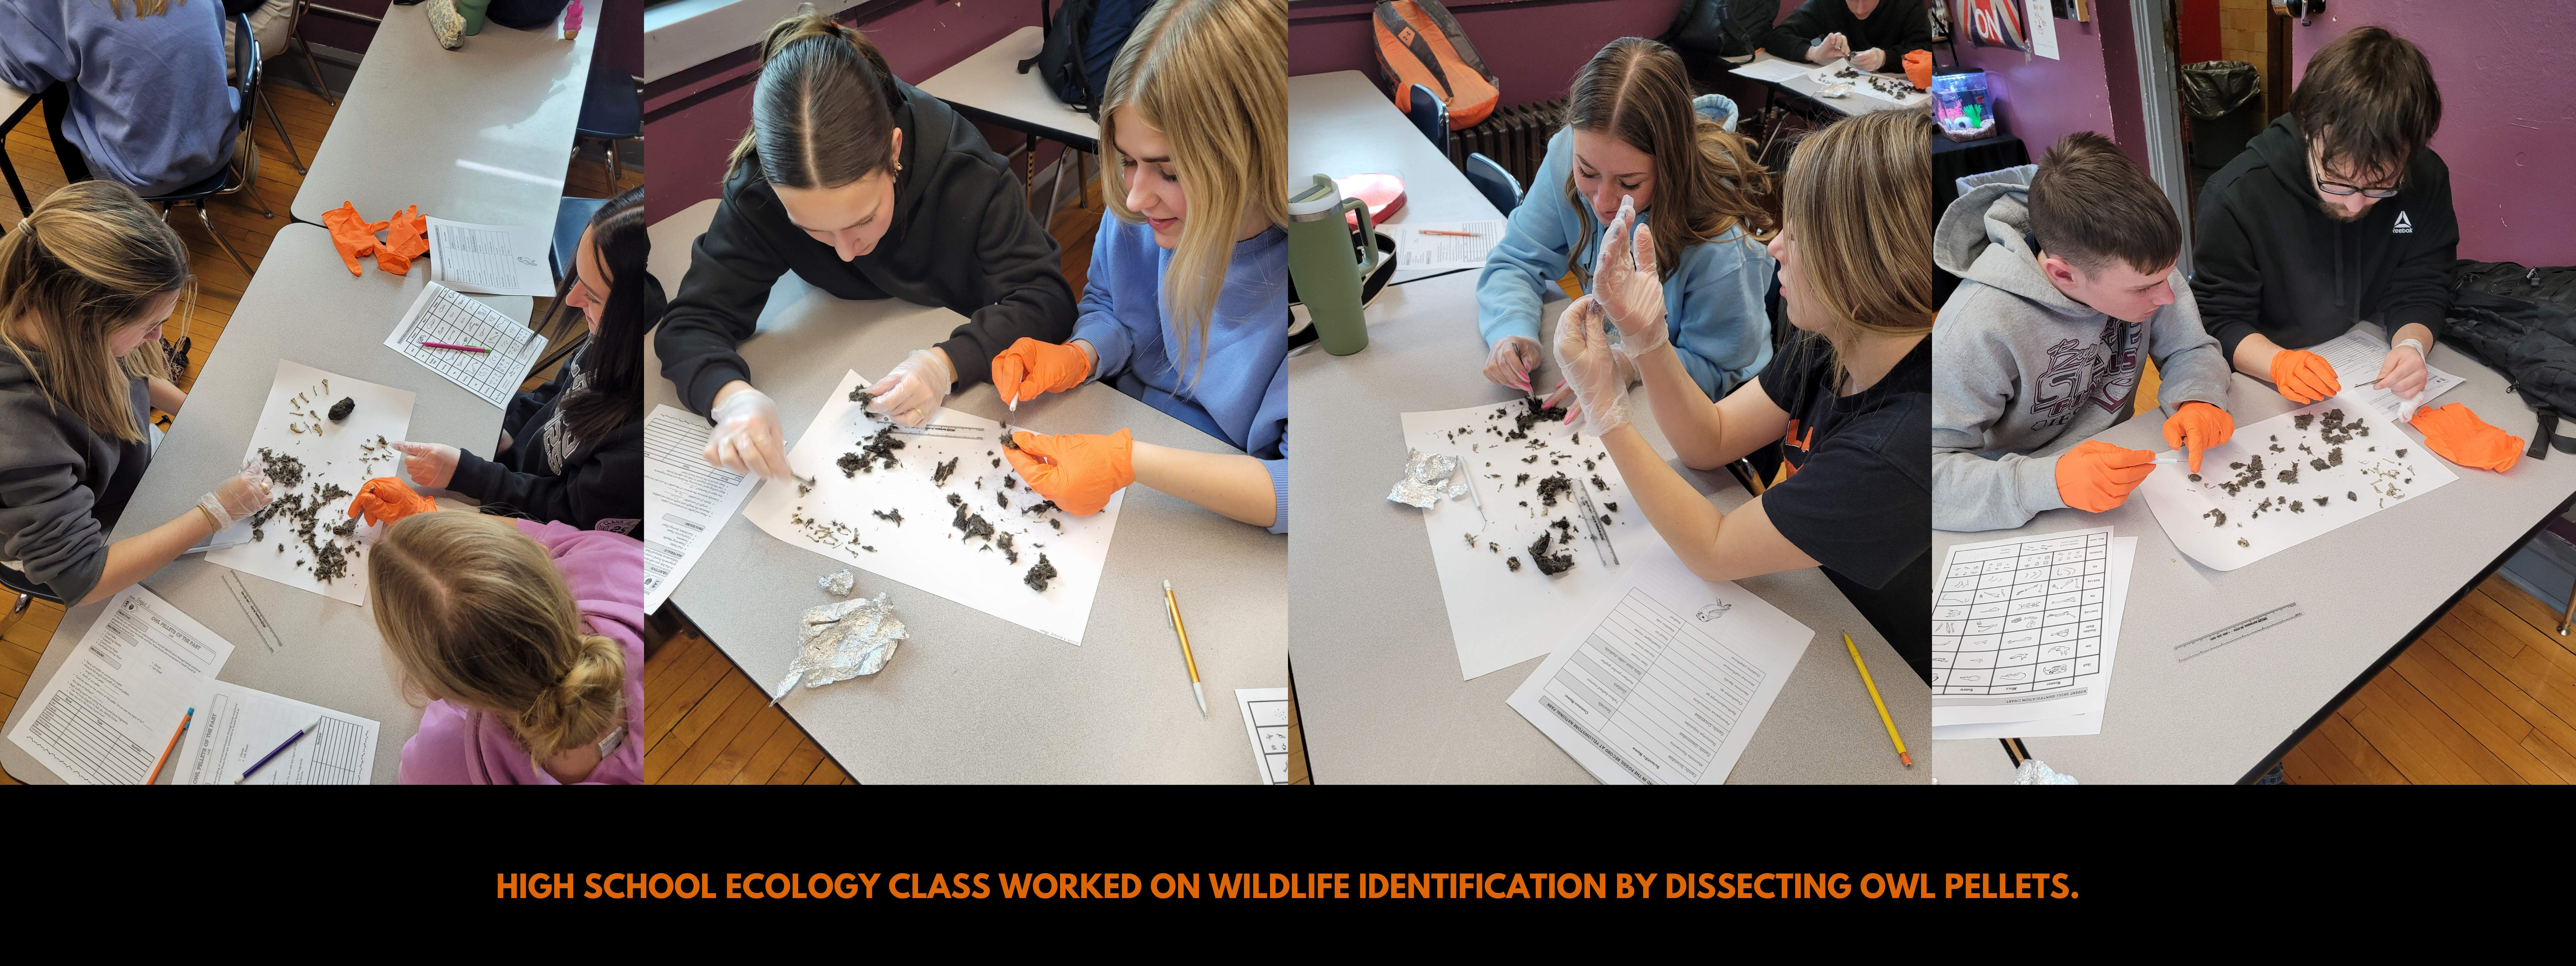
pixel 2403 226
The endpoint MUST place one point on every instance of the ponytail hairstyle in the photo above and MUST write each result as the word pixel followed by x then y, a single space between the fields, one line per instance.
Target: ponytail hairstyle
pixel 822 112
pixel 613 364
pixel 1858 202
pixel 475 611
pixel 83 265
pixel 1706 181
pixel 1211 75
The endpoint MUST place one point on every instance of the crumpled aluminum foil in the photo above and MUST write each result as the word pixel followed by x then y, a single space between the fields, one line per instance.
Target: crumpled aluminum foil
pixel 2036 772
pixel 837 583
pixel 1426 480
pixel 843 640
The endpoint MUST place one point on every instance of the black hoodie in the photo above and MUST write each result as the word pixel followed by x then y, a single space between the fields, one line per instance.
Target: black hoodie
pixel 550 475
pixel 1898 27
pixel 962 238
pixel 2269 260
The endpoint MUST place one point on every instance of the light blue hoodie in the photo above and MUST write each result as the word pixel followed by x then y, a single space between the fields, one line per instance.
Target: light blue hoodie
pixel 150 109
pixel 1713 303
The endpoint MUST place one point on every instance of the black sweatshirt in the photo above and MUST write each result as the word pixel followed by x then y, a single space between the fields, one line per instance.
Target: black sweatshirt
pixel 962 238
pixel 2269 260
pixel 1897 26
pixel 594 484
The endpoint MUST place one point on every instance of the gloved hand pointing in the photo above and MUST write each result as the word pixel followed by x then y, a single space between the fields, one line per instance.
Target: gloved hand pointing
pixel 2096 476
pixel 385 499
pixel 2197 426
pixel 1079 472
pixel 2303 376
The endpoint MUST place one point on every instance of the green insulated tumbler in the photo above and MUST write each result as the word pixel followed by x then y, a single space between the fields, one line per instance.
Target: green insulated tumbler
pixel 1327 265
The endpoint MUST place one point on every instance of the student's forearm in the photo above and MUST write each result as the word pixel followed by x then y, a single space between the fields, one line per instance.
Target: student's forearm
pixel 1236 487
pixel 2422 336
pixel 1689 420
pixel 136 557
pixel 2254 356
pixel 1685 519
pixel 166 397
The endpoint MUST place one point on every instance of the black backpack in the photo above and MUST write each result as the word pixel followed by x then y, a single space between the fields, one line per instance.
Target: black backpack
pixel 1083 38
pixel 2520 322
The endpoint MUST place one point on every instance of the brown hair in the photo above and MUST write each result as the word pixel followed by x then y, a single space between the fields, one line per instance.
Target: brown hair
pixel 2369 99
pixel 2091 205
pixel 473 609
pixel 1857 200
pixel 84 264
pixel 822 111
pixel 1706 182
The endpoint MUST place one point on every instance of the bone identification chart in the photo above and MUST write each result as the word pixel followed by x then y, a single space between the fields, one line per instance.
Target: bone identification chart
pixel 1518 577
pixel 2290 479
pixel 237 726
pixel 320 437
pixel 939 510
pixel 446 316
pixel 1665 681
pixel 2024 633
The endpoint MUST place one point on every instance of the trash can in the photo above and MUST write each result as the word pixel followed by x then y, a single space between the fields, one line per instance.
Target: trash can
pixel 2222 96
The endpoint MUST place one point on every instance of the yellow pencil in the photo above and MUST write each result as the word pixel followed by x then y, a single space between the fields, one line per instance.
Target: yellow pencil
pixel 1196 691
pixel 1873 699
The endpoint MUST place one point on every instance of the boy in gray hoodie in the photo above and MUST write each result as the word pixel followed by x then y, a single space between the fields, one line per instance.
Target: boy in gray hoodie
pixel 2068 287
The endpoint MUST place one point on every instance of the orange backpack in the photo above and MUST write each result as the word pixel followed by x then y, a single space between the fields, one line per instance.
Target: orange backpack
pixel 1418 42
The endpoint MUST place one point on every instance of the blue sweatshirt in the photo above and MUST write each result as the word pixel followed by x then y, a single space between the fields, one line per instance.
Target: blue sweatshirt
pixel 1713 303
pixel 149 104
pixel 1241 396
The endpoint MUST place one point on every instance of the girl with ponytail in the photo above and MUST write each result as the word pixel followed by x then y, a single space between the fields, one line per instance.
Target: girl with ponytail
pixel 865 188
pixel 524 641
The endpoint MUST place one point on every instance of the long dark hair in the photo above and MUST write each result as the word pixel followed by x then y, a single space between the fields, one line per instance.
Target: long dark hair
pixel 822 111
pixel 613 363
pixel 1706 181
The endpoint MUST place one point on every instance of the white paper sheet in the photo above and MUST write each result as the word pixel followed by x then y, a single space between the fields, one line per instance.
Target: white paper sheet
pixel 111 708
pixel 1499 617
pixel 236 726
pixel 2372 477
pixel 2043 29
pixel 445 315
pixel 1830 74
pixel 1417 251
pixel 924 550
pixel 1664 682
pixel 2044 706
pixel 686 499
pixel 1773 69
pixel 1265 719
pixel 344 454
pixel 2356 356
pixel 492 259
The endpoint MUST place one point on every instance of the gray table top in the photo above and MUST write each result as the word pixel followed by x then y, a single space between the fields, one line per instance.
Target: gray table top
pixel 13 100
pixel 990 81
pixel 1339 124
pixel 302 306
pixel 1852 106
pixel 972 697
pixel 479 134
pixel 1377 669
pixel 2361 589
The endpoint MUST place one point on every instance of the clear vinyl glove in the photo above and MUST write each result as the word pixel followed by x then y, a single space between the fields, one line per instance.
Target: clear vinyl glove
pixel 429 464
pixel 1630 290
pixel 746 437
pixel 914 389
pixel 1513 359
pixel 1870 60
pixel 235 499
pixel 1591 367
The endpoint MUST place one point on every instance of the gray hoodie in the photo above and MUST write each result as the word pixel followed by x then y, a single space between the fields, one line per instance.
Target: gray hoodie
pixel 61 485
pixel 2021 372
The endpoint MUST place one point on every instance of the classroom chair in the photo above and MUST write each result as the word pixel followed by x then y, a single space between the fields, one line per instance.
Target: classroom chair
pixel 28 591
pixel 612 111
pixel 295 37
pixel 1497 185
pixel 243 174
pixel 1431 116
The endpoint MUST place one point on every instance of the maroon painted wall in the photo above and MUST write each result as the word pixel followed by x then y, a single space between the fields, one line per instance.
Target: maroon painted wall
pixel 2041 100
pixel 621 22
pixel 2508 122
pixel 1533 46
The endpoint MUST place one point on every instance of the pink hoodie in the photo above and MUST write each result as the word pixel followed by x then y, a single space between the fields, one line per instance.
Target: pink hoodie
pixel 462 746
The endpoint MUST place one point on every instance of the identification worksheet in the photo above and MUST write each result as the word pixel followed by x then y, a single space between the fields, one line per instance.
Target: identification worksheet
pixel 1458 244
pixel 446 316
pixel 492 259
pixel 1265 718
pixel 686 499
pixel 1666 680
pixel 236 726
pixel 2356 357
pixel 2025 628
pixel 113 706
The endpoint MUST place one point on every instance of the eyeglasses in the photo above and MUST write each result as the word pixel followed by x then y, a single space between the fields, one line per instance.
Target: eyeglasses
pixel 2340 188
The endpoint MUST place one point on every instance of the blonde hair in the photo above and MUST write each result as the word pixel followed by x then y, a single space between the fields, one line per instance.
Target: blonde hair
pixel 1706 181
pixel 1858 198
pixel 1212 76
pixel 822 110
pixel 82 266
pixel 474 610
pixel 145 8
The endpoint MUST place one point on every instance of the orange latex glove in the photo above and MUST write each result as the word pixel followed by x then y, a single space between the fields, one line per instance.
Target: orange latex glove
pixel 354 236
pixel 2197 426
pixel 2460 436
pixel 2303 376
pixel 1078 472
pixel 407 239
pixel 1918 68
pixel 2096 476
pixel 1030 367
pixel 385 500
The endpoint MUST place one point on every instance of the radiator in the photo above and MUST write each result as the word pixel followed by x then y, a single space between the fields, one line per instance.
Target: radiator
pixel 1515 137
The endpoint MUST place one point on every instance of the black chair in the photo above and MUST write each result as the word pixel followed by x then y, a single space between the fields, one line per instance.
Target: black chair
pixel 1431 116
pixel 1497 185
pixel 612 110
pixel 243 173
pixel 28 592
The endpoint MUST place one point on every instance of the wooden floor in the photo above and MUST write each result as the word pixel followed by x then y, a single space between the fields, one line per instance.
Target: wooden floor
pixel 219 280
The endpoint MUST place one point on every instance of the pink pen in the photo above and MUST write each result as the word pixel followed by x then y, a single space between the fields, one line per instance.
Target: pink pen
pixel 572 20
pixel 451 345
